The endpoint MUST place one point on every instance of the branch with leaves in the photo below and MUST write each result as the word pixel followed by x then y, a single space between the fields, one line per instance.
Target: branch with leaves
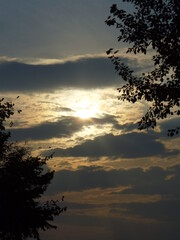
pixel 153 25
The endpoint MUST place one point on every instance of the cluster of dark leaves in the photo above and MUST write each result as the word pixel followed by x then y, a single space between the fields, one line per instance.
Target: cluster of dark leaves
pixel 154 24
pixel 23 180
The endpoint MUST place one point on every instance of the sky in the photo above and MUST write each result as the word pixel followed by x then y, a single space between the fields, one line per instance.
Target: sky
pixel 119 183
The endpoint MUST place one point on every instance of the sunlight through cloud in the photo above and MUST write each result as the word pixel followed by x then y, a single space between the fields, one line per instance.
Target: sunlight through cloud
pixel 86 111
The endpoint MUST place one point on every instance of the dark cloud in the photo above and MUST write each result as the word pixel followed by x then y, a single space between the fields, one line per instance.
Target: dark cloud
pixel 111 119
pixel 137 220
pixel 165 210
pixel 157 182
pixel 131 145
pixel 152 181
pixel 64 127
pixel 140 230
pixel 117 228
pixel 83 73
pixel 169 124
pixel 62 109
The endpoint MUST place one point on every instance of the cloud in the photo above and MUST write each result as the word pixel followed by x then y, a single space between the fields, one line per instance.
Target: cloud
pixel 93 227
pixel 159 181
pixel 165 210
pixel 167 124
pixel 64 127
pixel 152 181
pixel 159 218
pixel 85 73
pixel 77 72
pixel 131 145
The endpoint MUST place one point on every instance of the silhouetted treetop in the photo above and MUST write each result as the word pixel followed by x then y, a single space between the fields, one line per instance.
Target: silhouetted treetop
pixel 23 180
pixel 153 24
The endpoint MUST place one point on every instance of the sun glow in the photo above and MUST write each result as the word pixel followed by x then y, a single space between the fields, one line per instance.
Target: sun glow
pixel 86 110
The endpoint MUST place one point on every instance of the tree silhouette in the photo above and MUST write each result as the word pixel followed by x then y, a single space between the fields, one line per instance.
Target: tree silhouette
pixel 154 24
pixel 23 180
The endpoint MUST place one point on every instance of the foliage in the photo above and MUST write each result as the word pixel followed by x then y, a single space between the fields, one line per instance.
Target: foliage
pixel 154 24
pixel 23 180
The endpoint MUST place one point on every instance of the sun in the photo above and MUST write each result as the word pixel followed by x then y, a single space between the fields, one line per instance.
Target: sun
pixel 86 110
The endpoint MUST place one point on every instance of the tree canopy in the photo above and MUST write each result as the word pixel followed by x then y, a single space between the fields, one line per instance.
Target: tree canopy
pixel 23 180
pixel 153 24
